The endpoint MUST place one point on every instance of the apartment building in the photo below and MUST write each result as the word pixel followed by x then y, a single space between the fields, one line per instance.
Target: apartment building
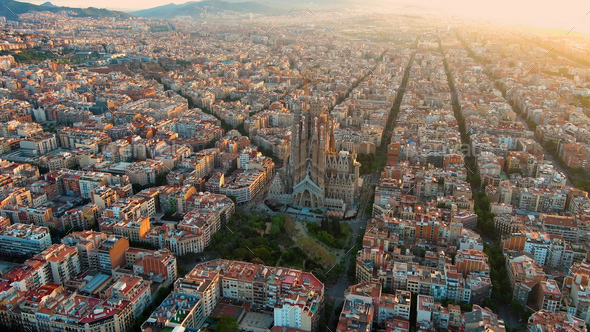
pixel 104 196
pixel 182 242
pixel 579 300
pixel 202 164
pixel 159 263
pixel 295 297
pixel 576 155
pixel 455 287
pixel 471 260
pixel 24 239
pixel 548 249
pixel 134 289
pixel 203 284
pixel 466 218
pixel 215 182
pixel 424 308
pixel 177 310
pixel 560 225
pixel 159 108
pixel 429 230
pixel 4 222
pixel 482 318
pixel 175 199
pixel 58 309
pixel 85 242
pixel 373 265
pixel 50 189
pixel 63 160
pixel 361 307
pixel 124 209
pixel 395 305
pixel 109 255
pixel 70 138
pixel 576 290
pixel 82 182
pixel 579 274
pixel 63 260
pixel 145 172
pixel 31 276
pixel 244 186
pixel 468 239
pixel 548 296
pixel 39 144
pixel 209 201
pixel 541 199
pixel 200 222
pixel 74 218
pixel 508 223
pixel 545 321
pixel 134 230
pixel 393 152
pixel 206 214
pixel 524 274
pixel 16 196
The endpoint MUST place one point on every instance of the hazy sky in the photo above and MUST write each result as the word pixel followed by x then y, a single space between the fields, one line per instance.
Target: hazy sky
pixel 553 13
pixel 562 13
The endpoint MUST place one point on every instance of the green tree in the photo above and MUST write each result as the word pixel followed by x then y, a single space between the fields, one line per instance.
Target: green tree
pixel 290 228
pixel 551 147
pixel 516 307
pixel 241 253
pixel 259 241
pixel 244 243
pixel 262 253
pixel 324 226
pixel 335 228
pixel 161 179
pixel 276 225
pixel 288 255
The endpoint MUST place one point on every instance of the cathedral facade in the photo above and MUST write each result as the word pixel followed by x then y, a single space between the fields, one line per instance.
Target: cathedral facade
pixel 315 175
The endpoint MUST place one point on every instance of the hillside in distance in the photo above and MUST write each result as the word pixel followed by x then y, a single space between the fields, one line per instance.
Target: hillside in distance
pixel 265 7
pixel 197 8
pixel 11 9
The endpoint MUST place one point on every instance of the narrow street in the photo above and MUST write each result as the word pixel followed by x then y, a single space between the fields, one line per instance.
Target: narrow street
pixel 548 155
pixel 557 53
pixel 336 291
pixel 519 117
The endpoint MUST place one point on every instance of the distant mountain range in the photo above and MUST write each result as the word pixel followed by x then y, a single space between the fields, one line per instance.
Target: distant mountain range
pixel 197 8
pixel 10 9
pixel 47 4
pixel 269 7
pixel 279 7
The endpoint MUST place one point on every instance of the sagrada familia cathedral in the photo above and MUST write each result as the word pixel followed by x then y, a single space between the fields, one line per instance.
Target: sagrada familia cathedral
pixel 315 175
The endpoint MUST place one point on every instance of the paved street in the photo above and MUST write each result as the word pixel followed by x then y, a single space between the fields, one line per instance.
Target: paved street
pixel 336 292
pixel 548 155
pixel 510 319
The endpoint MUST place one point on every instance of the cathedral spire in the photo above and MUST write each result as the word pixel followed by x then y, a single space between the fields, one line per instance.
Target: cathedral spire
pixel 332 143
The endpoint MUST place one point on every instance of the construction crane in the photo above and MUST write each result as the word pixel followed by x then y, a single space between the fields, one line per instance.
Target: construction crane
pixel 305 79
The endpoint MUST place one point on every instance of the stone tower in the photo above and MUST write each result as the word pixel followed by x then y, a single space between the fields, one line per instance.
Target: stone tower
pixel 315 175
